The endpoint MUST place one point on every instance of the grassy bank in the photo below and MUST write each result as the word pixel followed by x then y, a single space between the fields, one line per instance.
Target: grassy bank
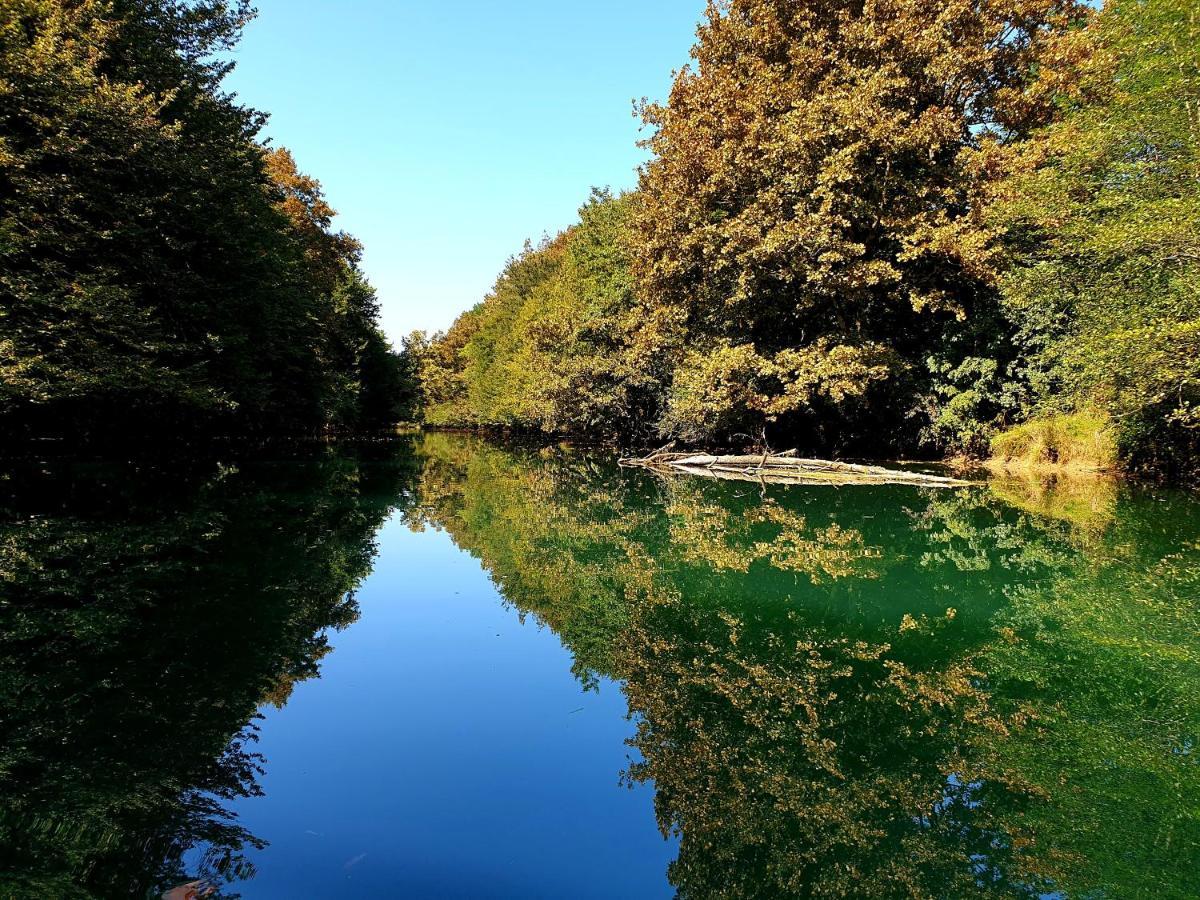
pixel 1079 443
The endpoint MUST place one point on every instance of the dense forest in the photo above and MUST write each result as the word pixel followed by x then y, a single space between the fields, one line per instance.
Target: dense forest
pixel 892 227
pixel 161 267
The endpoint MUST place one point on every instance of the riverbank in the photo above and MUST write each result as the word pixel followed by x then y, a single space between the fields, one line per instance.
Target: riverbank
pixel 1077 444
pixel 1081 446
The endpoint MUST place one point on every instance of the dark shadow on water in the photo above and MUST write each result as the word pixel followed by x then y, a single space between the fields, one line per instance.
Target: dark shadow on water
pixel 148 609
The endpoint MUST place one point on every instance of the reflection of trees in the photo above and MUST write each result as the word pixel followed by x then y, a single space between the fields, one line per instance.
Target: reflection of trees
pixel 553 531
pixel 871 692
pixel 793 762
pixel 1107 653
pixel 710 532
pixel 575 541
pixel 146 614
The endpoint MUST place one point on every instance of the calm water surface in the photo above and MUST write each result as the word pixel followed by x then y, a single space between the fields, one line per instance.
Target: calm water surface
pixel 456 669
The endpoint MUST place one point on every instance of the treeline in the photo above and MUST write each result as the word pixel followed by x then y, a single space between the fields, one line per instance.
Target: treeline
pixel 160 266
pixel 878 228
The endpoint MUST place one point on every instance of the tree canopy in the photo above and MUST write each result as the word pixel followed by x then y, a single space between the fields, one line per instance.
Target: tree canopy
pixel 158 264
pixel 1102 230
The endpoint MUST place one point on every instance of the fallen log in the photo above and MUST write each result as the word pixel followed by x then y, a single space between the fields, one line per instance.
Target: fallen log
pixel 785 469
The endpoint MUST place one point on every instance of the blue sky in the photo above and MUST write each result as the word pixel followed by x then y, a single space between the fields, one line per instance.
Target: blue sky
pixel 446 134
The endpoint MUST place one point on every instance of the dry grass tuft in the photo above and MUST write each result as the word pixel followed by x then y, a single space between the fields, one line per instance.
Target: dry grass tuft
pixel 1080 443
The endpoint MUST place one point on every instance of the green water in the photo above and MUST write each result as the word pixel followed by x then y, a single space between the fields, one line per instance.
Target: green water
pixel 527 673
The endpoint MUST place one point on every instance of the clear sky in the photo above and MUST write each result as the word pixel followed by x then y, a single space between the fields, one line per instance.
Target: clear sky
pixel 446 134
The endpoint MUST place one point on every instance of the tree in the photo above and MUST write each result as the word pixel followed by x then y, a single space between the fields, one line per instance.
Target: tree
pixel 588 345
pixel 561 343
pixel 815 191
pixel 160 268
pixel 1101 234
pixel 443 373
pixel 500 375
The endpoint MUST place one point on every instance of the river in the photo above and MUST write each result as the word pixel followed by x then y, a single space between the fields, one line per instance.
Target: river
pixel 443 667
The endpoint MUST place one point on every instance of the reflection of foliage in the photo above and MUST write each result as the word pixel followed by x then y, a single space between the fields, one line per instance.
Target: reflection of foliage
pixel 1108 652
pixel 147 613
pixel 711 533
pixel 555 539
pixel 572 540
pixel 970 533
pixel 1086 502
pixel 794 762
pixel 877 692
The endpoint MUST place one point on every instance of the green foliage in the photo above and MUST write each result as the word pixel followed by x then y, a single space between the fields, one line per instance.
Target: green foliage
pixel 559 345
pixel 834 249
pixel 815 190
pixel 498 372
pixel 730 389
pixel 442 365
pixel 864 229
pixel 370 386
pixel 807 259
pixel 158 266
pixel 1103 232
pixel 720 391
pixel 595 369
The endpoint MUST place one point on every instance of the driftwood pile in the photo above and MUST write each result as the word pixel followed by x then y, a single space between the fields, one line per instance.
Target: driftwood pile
pixel 784 468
